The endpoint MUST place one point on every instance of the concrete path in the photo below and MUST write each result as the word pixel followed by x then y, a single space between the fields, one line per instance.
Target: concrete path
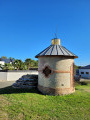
pixel 6 84
pixel 83 80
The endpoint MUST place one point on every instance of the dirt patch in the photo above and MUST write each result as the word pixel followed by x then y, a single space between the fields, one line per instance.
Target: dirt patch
pixel 3 101
pixel 20 116
pixel 88 90
pixel 3 115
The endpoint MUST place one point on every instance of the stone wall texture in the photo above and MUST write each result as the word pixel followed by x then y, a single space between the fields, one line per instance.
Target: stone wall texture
pixel 61 78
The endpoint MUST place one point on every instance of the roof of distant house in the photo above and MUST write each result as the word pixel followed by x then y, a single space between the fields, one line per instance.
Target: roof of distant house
pixel 85 67
pixel 6 60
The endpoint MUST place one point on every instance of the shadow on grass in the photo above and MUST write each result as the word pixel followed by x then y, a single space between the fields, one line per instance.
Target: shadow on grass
pixel 81 83
pixel 11 90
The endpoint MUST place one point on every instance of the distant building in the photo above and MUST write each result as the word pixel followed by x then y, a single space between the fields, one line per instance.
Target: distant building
pixel 84 72
pixel 3 61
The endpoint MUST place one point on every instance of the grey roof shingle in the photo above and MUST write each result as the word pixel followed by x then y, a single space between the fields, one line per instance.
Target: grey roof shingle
pixel 85 67
pixel 56 50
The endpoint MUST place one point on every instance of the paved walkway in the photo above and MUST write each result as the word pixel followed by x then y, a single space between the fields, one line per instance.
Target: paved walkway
pixel 6 84
pixel 82 79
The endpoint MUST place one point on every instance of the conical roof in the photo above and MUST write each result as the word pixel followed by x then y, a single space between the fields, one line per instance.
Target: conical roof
pixel 56 50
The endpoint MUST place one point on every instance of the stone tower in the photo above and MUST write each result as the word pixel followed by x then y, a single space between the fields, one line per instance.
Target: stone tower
pixel 56 69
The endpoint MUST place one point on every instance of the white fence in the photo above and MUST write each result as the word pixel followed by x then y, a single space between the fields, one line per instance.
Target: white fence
pixel 15 75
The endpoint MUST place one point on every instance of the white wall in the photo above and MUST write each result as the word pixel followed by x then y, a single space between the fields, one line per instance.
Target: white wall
pixel 3 76
pixel 2 62
pixel 13 76
pixel 84 75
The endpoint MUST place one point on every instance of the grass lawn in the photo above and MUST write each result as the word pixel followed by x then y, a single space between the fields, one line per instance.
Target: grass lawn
pixel 18 104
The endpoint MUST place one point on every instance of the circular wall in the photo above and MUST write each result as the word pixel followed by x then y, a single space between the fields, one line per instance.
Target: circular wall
pixel 55 75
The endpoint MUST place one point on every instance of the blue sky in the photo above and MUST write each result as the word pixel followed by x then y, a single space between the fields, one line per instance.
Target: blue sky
pixel 27 27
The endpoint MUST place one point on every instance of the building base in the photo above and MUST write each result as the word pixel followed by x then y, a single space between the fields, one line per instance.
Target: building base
pixel 55 91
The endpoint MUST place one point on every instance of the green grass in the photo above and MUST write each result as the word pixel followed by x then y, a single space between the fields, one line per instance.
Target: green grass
pixel 18 104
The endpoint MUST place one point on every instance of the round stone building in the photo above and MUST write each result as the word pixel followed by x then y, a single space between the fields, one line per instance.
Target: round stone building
pixel 56 69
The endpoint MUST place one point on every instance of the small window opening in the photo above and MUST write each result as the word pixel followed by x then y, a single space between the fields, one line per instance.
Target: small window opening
pixel 47 71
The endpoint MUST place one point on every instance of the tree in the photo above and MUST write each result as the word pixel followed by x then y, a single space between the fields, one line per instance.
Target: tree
pixel 18 64
pixel 76 67
pixel 36 63
pixel 5 66
pixel 21 65
pixel 24 66
pixel 12 58
pixel 32 63
pixel 10 66
pixel 28 62
pixel 4 57
pixel 1 66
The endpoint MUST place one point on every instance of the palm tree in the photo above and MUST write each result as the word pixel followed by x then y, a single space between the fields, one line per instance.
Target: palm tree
pixel 4 57
pixel 10 66
pixel 1 66
pixel 5 66
pixel 18 64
